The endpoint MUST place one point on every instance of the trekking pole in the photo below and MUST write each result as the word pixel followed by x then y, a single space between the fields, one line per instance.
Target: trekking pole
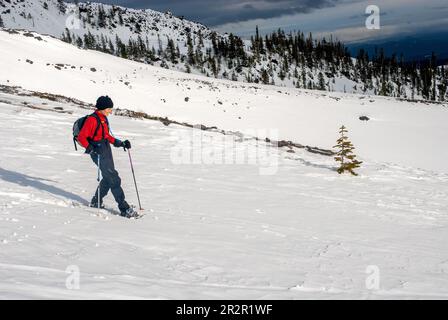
pixel 135 182
pixel 99 181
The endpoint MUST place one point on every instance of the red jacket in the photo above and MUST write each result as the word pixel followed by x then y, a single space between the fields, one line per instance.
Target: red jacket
pixel 88 129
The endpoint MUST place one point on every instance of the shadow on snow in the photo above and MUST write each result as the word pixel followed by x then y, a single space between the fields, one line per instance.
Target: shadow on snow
pixel 37 183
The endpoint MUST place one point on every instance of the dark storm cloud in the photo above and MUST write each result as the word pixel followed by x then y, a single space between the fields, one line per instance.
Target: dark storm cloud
pixel 217 12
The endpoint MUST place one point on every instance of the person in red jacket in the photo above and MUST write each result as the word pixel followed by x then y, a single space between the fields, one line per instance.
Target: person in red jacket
pixel 96 138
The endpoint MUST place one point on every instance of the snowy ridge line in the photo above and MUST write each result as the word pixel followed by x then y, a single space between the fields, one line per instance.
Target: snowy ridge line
pixel 28 33
pixel 37 108
pixel 279 144
pixel 27 105
pixel 19 91
pixel 426 102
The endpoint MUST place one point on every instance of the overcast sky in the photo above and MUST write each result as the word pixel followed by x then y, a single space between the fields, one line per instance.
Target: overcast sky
pixel 343 18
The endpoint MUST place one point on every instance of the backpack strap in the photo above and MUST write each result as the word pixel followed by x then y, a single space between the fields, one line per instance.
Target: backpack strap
pixel 98 125
pixel 108 127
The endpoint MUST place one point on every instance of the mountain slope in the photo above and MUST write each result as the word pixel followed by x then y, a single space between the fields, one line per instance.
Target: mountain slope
pixel 53 19
pixel 407 133
pixel 102 22
pixel 292 60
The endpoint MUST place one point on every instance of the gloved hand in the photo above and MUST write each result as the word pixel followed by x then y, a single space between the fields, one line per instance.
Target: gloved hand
pixel 127 144
pixel 122 144
pixel 91 149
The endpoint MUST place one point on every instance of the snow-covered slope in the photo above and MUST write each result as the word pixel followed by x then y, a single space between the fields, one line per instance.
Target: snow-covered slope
pixel 210 231
pixel 406 133
pixel 84 17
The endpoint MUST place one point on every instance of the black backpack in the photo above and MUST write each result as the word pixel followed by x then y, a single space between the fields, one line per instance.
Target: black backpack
pixel 77 126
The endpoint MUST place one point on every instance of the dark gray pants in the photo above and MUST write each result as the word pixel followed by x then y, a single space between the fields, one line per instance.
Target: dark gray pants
pixel 110 178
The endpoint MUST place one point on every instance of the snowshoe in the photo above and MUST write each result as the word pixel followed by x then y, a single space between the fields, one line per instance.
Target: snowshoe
pixel 130 213
pixel 95 205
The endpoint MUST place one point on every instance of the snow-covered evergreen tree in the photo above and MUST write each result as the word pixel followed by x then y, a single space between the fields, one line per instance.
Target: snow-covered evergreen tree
pixel 62 7
pixel 321 80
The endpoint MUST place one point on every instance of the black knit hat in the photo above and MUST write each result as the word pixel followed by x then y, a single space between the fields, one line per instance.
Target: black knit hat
pixel 104 102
